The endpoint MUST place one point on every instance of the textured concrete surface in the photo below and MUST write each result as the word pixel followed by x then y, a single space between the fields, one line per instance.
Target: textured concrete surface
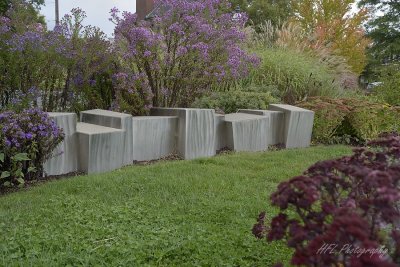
pixel 65 156
pixel 154 137
pixel 298 125
pixel 247 132
pixel 100 148
pixel 276 124
pixel 221 134
pixel 107 140
pixel 196 130
pixel 115 120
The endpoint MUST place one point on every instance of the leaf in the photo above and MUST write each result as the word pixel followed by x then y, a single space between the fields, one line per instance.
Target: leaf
pixel 21 157
pixel 32 169
pixel 7 184
pixel 1 157
pixel 19 173
pixel 21 181
pixel 5 174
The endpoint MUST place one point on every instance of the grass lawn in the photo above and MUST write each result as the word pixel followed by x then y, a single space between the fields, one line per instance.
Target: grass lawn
pixel 180 213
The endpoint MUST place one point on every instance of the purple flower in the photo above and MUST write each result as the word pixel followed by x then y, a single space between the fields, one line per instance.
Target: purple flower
pixel 188 47
pixel 8 143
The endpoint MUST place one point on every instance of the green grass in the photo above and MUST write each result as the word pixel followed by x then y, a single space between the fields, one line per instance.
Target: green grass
pixel 181 213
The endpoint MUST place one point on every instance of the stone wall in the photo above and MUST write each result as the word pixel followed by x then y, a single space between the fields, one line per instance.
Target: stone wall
pixel 105 140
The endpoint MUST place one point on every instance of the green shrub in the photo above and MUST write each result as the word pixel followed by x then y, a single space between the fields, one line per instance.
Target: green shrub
pixel 295 75
pixel 329 116
pixel 369 119
pixel 360 119
pixel 231 101
pixel 389 91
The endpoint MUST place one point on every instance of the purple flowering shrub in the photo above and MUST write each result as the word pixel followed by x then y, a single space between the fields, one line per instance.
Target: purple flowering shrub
pixel 27 140
pixel 181 53
pixel 70 67
pixel 342 212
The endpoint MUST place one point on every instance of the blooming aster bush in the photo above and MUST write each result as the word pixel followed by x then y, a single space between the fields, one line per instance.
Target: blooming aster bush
pixel 27 140
pixel 188 47
pixel 70 68
pixel 342 212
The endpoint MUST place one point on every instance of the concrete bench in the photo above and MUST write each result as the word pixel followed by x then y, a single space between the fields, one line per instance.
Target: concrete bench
pixel 196 130
pixel 220 135
pixel 298 125
pixel 101 149
pixel 154 137
pixel 275 135
pixel 246 132
pixel 115 120
pixel 65 156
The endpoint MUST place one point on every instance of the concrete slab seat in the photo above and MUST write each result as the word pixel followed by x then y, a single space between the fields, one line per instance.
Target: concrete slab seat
pixel 100 148
pixel 298 125
pixel 196 130
pixel 65 156
pixel 115 120
pixel 246 132
pixel 154 137
pixel 275 135
pixel 220 129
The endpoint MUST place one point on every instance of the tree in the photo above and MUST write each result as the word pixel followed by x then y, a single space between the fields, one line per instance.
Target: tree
pixel 384 30
pixel 5 4
pixel 184 52
pixel 336 27
pixel 259 11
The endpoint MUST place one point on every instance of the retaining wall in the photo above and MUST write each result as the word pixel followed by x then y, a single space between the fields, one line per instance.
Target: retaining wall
pixel 105 140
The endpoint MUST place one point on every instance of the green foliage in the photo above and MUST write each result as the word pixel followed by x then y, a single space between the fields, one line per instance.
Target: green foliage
pixel 259 11
pixel 15 169
pixel 389 91
pixel 329 116
pixel 231 101
pixel 182 213
pixel 296 75
pixel 384 30
pixel 5 4
pixel 350 119
pixel 370 119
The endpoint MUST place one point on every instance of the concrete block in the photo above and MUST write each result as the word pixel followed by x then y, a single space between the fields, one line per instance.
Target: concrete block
pixel 276 124
pixel 247 132
pixel 196 130
pixel 298 125
pixel 220 135
pixel 101 149
pixel 115 120
pixel 154 137
pixel 65 156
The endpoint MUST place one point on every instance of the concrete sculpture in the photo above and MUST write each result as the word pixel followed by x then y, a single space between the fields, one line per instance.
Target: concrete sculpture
pixel 298 125
pixel 246 132
pixel 100 148
pixel 65 156
pixel 115 120
pixel 106 140
pixel 154 137
pixel 196 130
